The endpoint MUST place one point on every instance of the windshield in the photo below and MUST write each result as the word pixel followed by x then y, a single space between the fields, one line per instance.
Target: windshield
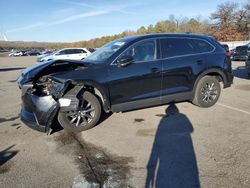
pixel 106 51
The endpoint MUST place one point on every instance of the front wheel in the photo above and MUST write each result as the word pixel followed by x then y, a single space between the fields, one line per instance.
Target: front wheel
pixel 85 117
pixel 207 92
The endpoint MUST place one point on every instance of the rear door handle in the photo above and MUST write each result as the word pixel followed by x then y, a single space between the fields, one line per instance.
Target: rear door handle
pixel 200 62
pixel 155 70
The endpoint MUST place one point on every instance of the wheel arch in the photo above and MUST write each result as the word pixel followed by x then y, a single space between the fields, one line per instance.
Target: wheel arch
pixel 211 72
pixel 97 89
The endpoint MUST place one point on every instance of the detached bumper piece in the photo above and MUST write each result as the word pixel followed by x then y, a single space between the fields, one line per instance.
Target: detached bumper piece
pixel 38 112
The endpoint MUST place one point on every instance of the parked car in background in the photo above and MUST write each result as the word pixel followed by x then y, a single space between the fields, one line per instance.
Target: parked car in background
pixel 11 54
pixel 248 66
pixel 126 74
pixel 16 53
pixel 92 50
pixel 66 53
pixel 48 52
pixel 241 53
pixel 44 54
pixel 32 53
pixel 3 50
pixel 226 47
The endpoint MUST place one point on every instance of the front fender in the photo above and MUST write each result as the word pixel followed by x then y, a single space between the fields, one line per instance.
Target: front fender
pixel 100 91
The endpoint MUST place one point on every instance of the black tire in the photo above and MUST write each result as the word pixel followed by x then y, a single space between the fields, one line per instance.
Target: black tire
pixel 207 92
pixel 66 118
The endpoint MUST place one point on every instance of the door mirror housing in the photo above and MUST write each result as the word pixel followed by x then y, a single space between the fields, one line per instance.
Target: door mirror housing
pixel 124 61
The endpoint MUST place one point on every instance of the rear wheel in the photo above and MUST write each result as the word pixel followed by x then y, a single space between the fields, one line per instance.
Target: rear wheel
pixel 85 117
pixel 207 92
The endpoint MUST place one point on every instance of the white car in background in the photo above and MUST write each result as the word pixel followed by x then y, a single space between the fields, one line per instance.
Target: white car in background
pixel 66 53
pixel 17 53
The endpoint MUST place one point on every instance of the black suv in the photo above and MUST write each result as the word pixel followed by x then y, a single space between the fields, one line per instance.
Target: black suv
pixel 241 53
pixel 248 66
pixel 125 74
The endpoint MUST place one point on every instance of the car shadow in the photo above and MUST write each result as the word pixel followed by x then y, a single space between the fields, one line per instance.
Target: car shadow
pixel 7 154
pixel 56 127
pixel 172 162
pixel 241 72
pixel 8 119
pixel 11 69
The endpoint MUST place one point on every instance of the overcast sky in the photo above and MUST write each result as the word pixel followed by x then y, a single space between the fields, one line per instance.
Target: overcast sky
pixel 75 20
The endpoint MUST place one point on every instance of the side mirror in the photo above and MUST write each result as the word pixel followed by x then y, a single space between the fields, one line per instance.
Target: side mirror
pixel 124 61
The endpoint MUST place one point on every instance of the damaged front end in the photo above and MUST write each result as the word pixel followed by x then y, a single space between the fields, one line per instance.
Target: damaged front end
pixel 43 96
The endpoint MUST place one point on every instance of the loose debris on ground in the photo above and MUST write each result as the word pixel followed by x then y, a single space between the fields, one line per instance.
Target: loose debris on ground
pixel 98 167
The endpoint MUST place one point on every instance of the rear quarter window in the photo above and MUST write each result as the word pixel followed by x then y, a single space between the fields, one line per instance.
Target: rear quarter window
pixel 202 46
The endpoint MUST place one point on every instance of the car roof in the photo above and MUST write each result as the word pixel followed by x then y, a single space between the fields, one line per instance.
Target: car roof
pixel 73 48
pixel 156 35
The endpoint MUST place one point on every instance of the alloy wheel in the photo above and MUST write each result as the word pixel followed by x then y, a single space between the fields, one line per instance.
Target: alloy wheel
pixel 82 116
pixel 209 92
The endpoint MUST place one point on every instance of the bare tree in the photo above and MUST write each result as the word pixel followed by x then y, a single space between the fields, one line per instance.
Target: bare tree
pixel 225 13
pixel 231 21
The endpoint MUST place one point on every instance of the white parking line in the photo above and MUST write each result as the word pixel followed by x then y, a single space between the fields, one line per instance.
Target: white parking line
pixel 233 108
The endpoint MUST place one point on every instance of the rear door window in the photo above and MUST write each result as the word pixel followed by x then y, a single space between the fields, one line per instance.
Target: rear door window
pixel 74 51
pixel 67 52
pixel 172 47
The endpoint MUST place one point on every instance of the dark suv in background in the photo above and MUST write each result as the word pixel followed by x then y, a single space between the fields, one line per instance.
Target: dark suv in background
pixel 125 74
pixel 241 53
pixel 248 66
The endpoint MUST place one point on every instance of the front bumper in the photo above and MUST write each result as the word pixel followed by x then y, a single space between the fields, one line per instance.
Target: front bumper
pixel 38 112
pixel 39 60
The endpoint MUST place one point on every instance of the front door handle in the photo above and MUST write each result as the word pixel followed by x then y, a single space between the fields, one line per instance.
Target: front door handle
pixel 155 70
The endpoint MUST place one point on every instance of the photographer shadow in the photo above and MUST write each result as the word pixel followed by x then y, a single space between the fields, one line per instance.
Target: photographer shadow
pixel 172 163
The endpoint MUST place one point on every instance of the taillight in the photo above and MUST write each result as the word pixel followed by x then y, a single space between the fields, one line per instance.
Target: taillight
pixel 228 54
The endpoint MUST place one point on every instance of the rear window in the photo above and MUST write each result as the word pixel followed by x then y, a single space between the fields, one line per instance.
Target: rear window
pixel 241 48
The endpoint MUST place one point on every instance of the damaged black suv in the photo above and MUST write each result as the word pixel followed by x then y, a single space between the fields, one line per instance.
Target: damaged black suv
pixel 125 74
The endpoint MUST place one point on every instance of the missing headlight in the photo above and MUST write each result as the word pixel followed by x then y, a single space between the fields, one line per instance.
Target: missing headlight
pixel 48 86
pixel 54 87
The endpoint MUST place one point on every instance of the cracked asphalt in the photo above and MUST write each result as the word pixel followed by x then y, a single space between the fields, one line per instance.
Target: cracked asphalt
pixel 168 146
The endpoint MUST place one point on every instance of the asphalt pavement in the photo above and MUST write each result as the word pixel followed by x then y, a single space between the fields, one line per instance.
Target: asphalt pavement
pixel 177 145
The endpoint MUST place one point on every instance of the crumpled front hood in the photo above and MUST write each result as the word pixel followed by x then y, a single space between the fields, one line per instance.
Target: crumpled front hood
pixel 31 72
